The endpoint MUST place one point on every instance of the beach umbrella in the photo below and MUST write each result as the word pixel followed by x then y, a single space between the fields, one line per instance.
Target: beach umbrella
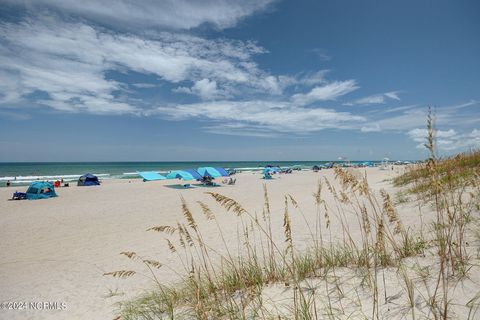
pixel 180 174
pixel 209 171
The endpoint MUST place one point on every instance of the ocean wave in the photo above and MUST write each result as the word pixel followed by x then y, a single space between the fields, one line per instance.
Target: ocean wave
pixel 73 177
pixel 65 177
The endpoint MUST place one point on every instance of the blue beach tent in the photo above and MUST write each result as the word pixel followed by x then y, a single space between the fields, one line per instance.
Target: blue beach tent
pixel 88 180
pixel 267 175
pixel 151 176
pixel 181 174
pixel 269 170
pixel 222 171
pixel 40 190
pixel 194 173
pixel 209 172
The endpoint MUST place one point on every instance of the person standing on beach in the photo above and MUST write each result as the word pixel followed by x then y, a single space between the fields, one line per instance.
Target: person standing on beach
pixel 8 183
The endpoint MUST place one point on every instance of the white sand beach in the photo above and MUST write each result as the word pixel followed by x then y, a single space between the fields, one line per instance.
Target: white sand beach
pixel 57 250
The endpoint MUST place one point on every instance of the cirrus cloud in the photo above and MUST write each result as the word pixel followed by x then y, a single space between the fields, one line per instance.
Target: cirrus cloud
pixel 261 116
pixel 173 14
pixel 329 91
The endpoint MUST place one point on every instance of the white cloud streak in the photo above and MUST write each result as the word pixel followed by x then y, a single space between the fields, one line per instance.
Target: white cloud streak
pixel 279 117
pixel 375 99
pixel 173 14
pixel 327 92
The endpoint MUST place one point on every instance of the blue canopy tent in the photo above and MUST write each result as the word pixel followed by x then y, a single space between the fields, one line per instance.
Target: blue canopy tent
pixel 187 175
pixel 194 173
pixel 267 173
pixel 88 180
pixel 181 174
pixel 269 170
pixel 40 190
pixel 209 172
pixel 267 176
pixel 151 176
pixel 222 171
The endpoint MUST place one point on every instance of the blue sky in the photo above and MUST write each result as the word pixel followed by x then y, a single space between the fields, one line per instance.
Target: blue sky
pixel 236 80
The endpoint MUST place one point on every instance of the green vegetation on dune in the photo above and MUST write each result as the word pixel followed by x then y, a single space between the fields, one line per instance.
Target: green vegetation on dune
pixel 454 172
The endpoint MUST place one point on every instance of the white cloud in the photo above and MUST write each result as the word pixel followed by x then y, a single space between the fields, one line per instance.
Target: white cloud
pixel 261 116
pixel 401 108
pixel 392 95
pixel 407 119
pixel 205 89
pixel 313 78
pixel 11 88
pixel 69 62
pixel 143 85
pixel 447 140
pixel 446 134
pixel 418 135
pixel 375 99
pixel 371 128
pixel 329 91
pixel 175 14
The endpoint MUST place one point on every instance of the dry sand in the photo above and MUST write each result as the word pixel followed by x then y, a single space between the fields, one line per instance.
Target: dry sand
pixel 56 250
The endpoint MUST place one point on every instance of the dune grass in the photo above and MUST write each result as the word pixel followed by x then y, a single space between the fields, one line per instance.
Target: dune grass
pixel 331 278
pixel 453 173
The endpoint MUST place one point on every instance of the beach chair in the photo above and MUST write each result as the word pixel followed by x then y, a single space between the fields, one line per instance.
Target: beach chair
pixel 19 196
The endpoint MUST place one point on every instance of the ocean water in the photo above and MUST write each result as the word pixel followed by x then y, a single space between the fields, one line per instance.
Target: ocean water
pixel 23 173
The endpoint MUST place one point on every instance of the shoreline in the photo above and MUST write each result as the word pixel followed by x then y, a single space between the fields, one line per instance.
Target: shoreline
pixel 23 179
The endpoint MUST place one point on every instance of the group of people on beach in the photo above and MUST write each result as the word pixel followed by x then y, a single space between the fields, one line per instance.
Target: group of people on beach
pixel 56 184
